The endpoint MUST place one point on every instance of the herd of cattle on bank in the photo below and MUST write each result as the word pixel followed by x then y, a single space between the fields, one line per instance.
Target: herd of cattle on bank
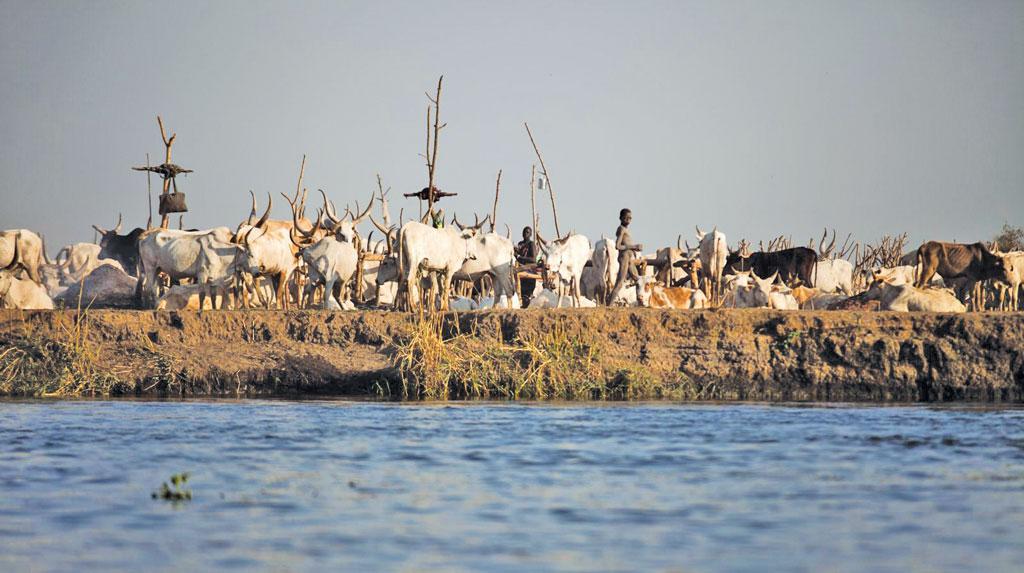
pixel 326 263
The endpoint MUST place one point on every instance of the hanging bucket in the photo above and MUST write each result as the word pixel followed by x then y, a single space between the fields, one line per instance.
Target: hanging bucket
pixel 173 203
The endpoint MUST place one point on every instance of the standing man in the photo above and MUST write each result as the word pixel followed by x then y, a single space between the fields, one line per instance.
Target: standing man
pixel 526 252
pixel 626 247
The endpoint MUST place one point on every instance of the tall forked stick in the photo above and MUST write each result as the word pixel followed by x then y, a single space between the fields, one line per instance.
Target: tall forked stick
pixel 168 142
pixel 384 202
pixel 494 210
pixel 302 171
pixel 432 160
pixel 544 170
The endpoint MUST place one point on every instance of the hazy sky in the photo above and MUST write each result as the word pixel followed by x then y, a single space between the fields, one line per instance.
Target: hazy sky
pixel 761 117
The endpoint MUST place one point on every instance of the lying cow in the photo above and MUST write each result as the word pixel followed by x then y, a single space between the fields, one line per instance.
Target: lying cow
pixel 906 298
pixel 654 295
pixel 22 293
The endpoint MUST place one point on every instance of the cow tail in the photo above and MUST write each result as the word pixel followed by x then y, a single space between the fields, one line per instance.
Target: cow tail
pixel 46 259
pixel 918 269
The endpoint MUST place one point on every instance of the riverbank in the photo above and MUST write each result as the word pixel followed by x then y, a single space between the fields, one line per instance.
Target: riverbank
pixel 586 354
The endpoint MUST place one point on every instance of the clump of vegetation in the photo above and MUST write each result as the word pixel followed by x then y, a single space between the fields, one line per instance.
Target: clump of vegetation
pixel 1010 238
pixel 66 365
pixel 437 361
pixel 175 492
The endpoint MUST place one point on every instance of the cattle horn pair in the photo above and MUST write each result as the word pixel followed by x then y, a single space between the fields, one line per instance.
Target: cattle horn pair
pixel 117 228
pixel 356 220
pixel 298 226
pixel 475 227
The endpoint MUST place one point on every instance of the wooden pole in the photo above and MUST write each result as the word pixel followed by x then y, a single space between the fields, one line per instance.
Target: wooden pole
pixel 384 202
pixel 168 142
pixel 149 193
pixel 544 170
pixel 494 210
pixel 302 171
pixel 433 153
pixel 533 200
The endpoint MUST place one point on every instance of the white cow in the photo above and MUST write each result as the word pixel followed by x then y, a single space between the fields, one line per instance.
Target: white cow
pixel 22 293
pixel 74 262
pixel 494 257
pixel 1014 276
pixel 744 289
pixel 424 249
pixel 598 279
pixel 269 250
pixel 332 263
pixel 25 248
pixel 907 298
pixel 548 299
pixel 566 258
pixel 713 252
pixel 203 256
pixel 833 276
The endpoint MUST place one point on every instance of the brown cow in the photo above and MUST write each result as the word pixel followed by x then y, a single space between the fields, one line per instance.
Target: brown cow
pixel 974 263
pixel 654 295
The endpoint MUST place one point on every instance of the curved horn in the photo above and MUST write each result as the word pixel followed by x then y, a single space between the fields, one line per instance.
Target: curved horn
pixel 508 232
pixel 298 227
pixel 380 227
pixel 368 239
pixel 329 209
pixel 296 241
pixel 401 217
pixel 245 238
pixel 99 230
pixel 476 226
pixel 455 221
pixel 117 228
pixel 252 210
pixel 359 219
pixel 266 215
pixel 679 242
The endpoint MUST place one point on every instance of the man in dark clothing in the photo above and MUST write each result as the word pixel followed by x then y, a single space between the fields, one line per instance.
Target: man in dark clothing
pixel 526 252
pixel 626 247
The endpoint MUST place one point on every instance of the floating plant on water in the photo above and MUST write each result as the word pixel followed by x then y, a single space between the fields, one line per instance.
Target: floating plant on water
pixel 175 492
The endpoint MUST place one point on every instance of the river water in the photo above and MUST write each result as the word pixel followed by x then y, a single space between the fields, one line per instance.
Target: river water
pixel 364 486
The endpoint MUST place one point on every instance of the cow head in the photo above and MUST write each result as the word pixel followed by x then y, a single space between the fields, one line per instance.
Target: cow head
pixel 121 248
pixel 387 271
pixel 253 243
pixel 473 229
pixel 644 289
pixel 344 227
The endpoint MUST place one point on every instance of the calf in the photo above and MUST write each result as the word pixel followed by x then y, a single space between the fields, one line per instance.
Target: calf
pixel 654 295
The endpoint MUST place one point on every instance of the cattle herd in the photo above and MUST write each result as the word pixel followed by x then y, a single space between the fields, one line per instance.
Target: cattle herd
pixel 327 263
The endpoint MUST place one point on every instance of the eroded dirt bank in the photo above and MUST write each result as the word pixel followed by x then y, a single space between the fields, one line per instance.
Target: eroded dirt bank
pixel 723 355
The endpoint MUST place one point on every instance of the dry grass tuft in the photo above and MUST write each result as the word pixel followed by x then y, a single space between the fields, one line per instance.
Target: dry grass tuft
pixel 65 366
pixel 437 361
